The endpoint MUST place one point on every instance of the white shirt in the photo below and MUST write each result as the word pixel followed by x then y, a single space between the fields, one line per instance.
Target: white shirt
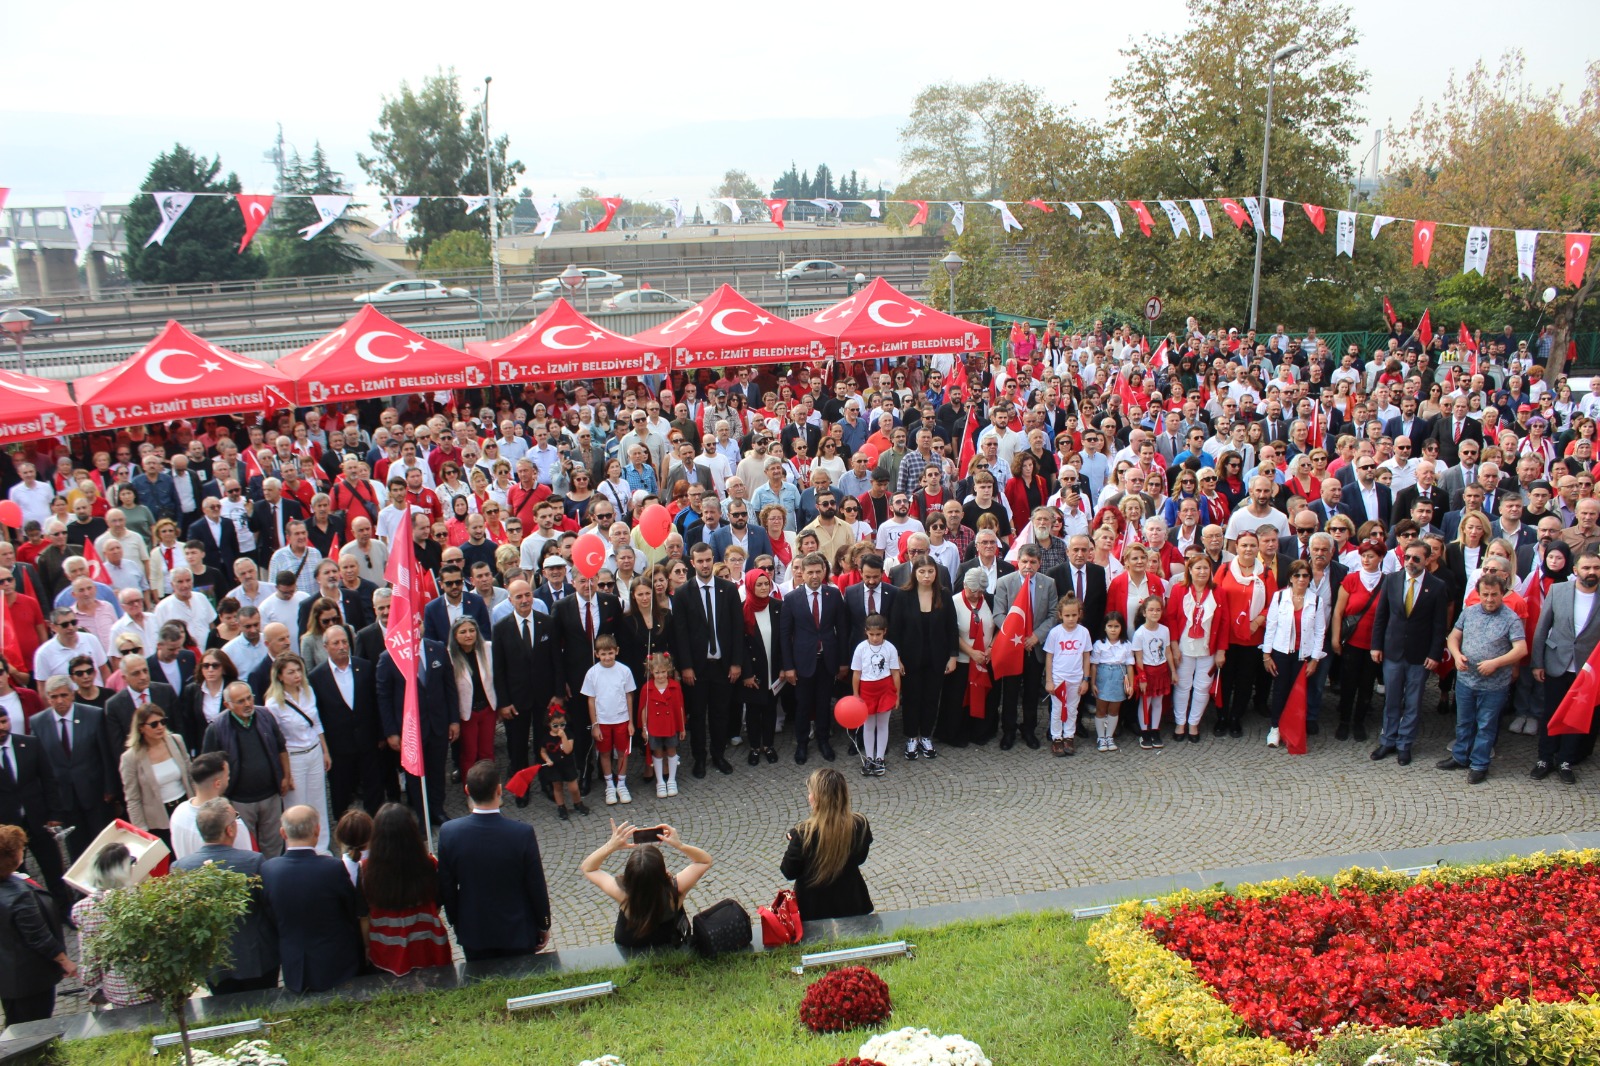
pixel 264 592
pixel 34 500
pixel 196 615
pixel 277 609
pixel 609 688
pixel 298 733
pixel 186 833
pixel 345 678
pixel 875 661
pixel 1582 608
pixel 146 630
pixel 167 671
pixel 52 659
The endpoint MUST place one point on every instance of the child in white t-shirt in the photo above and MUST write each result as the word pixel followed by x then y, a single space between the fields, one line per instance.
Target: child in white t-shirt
pixel 1112 659
pixel 610 689
pixel 1152 655
pixel 1066 665
pixel 875 673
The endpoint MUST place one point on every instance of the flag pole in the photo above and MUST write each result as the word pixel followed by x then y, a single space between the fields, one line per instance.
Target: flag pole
pixel 427 819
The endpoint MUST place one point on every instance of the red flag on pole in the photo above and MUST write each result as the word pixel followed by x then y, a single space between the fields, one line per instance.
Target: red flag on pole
pixel 1160 358
pixel 97 568
pixel 1466 343
pixel 1388 312
pixel 1421 243
pixel 255 210
pixel 1006 660
pixel 1576 712
pixel 404 641
pixel 969 444
pixel 1425 328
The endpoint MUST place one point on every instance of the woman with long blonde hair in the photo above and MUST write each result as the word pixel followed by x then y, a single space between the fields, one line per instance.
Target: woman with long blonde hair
pixel 826 851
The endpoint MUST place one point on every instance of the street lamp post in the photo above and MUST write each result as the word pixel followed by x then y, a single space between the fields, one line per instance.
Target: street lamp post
pixel 17 323
pixel 494 200
pixel 573 279
pixel 856 283
pixel 1261 200
pixel 952 266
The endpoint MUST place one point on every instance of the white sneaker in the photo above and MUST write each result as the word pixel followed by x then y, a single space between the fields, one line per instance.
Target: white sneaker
pixel 611 795
pixel 734 742
pixel 622 793
pixel 1111 744
pixel 1099 743
pixel 672 788
pixel 661 789
pixel 1272 737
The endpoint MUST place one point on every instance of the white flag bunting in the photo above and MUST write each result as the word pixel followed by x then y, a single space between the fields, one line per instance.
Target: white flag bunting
pixel 1527 242
pixel 172 205
pixel 329 208
pixel 474 203
pixel 82 207
pixel 1008 221
pixel 1202 217
pixel 1110 208
pixel 399 207
pixel 1275 215
pixel 1180 225
pixel 1477 253
pixel 1344 235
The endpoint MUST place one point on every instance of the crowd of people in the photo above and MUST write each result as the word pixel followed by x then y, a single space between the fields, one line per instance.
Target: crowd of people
pixel 196 611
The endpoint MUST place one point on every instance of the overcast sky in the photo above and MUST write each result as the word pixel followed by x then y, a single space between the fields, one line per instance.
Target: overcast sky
pixel 645 100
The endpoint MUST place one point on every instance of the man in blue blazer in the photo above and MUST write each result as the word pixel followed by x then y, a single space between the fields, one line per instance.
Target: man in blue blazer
pixel 319 913
pixel 754 539
pixel 77 743
pixel 813 630
pixel 440 727
pixel 254 959
pixel 491 878
pixel 436 616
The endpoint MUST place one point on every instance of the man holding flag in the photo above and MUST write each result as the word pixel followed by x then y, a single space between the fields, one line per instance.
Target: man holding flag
pixel 1026 601
pixel 415 689
pixel 1566 662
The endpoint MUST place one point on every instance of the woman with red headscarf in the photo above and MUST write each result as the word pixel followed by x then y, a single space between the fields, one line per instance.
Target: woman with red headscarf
pixel 761 665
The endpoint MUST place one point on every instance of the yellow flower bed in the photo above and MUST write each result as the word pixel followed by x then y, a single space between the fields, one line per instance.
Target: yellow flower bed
pixel 1176 1009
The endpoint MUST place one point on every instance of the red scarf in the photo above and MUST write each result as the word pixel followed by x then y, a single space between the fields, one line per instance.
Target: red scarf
pixel 978 683
pixel 780 549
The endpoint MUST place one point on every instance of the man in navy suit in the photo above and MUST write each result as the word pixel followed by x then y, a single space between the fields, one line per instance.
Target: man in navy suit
pixel 436 622
pixel 253 965
pixel 318 910
pixel 1367 499
pixel 74 739
pixel 708 644
pixel 1408 632
pixel 813 630
pixel 440 727
pixel 555 587
pixel 871 595
pixel 347 701
pixel 527 673
pixel 26 785
pixel 491 878
pixel 216 535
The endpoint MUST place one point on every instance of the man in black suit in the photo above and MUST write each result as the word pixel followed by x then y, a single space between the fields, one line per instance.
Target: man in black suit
pixel 491 877
pixel 986 556
pixel 173 664
pixel 527 674
pixel 1085 579
pixel 1426 487
pixel 1367 499
pixel 439 724
pixel 216 535
pixel 579 618
pixel 73 738
pixel 270 519
pixel 253 965
pixel 1408 634
pixel 708 644
pixel 121 708
pixel 354 611
pixel 369 640
pixel 1453 427
pixel 871 595
pixel 26 783
pixel 347 701
pixel 317 908
pixel 814 631
pixel 1407 424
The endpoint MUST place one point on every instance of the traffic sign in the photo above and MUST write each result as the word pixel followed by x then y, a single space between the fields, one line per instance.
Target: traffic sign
pixel 1152 309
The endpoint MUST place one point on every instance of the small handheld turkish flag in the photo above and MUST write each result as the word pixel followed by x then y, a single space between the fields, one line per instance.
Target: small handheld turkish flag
pixel 1575 713
pixel 1008 652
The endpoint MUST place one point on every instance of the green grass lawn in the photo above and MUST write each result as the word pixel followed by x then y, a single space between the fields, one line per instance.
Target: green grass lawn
pixel 1027 989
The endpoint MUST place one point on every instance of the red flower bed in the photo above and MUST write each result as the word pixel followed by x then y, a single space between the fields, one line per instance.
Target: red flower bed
pixel 850 998
pixel 1305 962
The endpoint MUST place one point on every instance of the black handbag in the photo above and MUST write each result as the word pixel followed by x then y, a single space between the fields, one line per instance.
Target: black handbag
pixel 1350 622
pixel 720 928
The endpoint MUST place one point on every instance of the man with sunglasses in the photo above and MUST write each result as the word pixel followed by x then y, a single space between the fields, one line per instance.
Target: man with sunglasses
pixel 454 603
pixel 67 644
pixel 1408 633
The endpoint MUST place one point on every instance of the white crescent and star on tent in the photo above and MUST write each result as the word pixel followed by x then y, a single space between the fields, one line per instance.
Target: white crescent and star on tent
pixel 550 335
pixel 840 308
pixel 875 312
pixel 16 384
pixel 687 320
pixel 156 366
pixel 364 346
pixel 326 344
pixel 719 322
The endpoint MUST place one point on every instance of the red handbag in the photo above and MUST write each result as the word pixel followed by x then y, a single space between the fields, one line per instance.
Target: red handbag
pixel 780 923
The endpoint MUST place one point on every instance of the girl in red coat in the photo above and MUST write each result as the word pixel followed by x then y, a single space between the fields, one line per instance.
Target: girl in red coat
pixel 662 722
pixel 1244 589
pixel 1199 645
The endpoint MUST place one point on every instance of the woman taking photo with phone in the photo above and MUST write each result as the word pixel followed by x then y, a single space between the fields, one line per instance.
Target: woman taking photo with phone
pixel 826 851
pixel 650 900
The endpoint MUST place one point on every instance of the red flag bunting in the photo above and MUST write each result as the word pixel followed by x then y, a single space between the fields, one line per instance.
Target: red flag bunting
pixel 1239 215
pixel 1040 204
pixel 1577 257
pixel 776 208
pixel 612 204
pixel 404 641
pixel 1006 660
pixel 1421 243
pixel 1143 214
pixel 922 212
pixel 255 210
pixel 1425 328
pixel 1318 219
pixel 1576 711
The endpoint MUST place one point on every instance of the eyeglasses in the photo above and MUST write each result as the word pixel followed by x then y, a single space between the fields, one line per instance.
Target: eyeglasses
pixel 86 671
pixel 69 624
pixel 155 723
pixel 211 666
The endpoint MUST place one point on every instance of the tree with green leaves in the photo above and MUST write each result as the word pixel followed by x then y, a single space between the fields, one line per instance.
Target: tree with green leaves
pixel 960 138
pixel 204 245
pixel 168 933
pixel 460 250
pixel 428 143
pixel 738 185
pixel 288 254
pixel 1492 153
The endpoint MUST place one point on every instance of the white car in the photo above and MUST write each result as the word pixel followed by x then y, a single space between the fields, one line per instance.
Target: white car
pixel 812 270
pixel 644 300
pixel 406 291
pixel 594 280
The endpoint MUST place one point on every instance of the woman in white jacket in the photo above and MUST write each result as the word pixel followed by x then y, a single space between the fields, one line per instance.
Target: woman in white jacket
pixel 474 692
pixel 1293 639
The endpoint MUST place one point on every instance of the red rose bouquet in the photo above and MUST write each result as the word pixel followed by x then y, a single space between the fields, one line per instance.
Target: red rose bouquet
pixel 850 998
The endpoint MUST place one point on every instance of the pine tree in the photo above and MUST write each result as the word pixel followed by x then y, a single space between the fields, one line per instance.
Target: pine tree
pixel 290 255
pixel 204 245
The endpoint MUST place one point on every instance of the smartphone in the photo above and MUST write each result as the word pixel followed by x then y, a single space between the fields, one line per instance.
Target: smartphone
pixel 647 836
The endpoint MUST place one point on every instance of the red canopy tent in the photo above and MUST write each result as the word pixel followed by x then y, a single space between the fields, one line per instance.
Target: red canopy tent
pixel 726 329
pixel 178 375
pixel 561 345
pixel 880 321
pixel 32 408
pixel 373 355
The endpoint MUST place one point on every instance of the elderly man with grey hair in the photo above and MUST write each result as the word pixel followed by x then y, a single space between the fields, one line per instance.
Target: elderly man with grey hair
pixel 253 960
pixel 188 607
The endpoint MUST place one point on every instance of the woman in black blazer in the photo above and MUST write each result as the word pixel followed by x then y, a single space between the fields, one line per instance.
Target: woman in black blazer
pixel 922 628
pixel 826 851
pixel 33 951
pixel 201 699
pixel 761 664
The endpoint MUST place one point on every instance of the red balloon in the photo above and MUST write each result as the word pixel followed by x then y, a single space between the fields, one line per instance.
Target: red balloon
pixel 870 452
pixel 655 525
pixel 850 712
pixel 589 554
pixel 11 514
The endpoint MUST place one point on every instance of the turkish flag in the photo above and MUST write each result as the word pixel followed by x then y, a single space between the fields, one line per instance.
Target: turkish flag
pixel 776 208
pixel 922 212
pixel 1388 312
pixel 611 204
pixel 969 444
pixel 1006 659
pixel 1292 722
pixel 97 568
pixel 1235 212
pixel 1425 328
pixel 404 642
pixel 1318 219
pixel 1040 204
pixel 1421 243
pixel 1160 358
pixel 1577 257
pixel 1464 339
pixel 1143 214
pixel 10 642
pixel 255 210
pixel 1576 712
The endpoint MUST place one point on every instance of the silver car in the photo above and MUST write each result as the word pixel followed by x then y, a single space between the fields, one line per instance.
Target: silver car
pixel 594 280
pixel 405 291
pixel 812 270
pixel 644 300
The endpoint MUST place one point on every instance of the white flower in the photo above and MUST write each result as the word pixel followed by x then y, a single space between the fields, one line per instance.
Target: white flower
pixel 244 1053
pixel 921 1047
pixel 603 1060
